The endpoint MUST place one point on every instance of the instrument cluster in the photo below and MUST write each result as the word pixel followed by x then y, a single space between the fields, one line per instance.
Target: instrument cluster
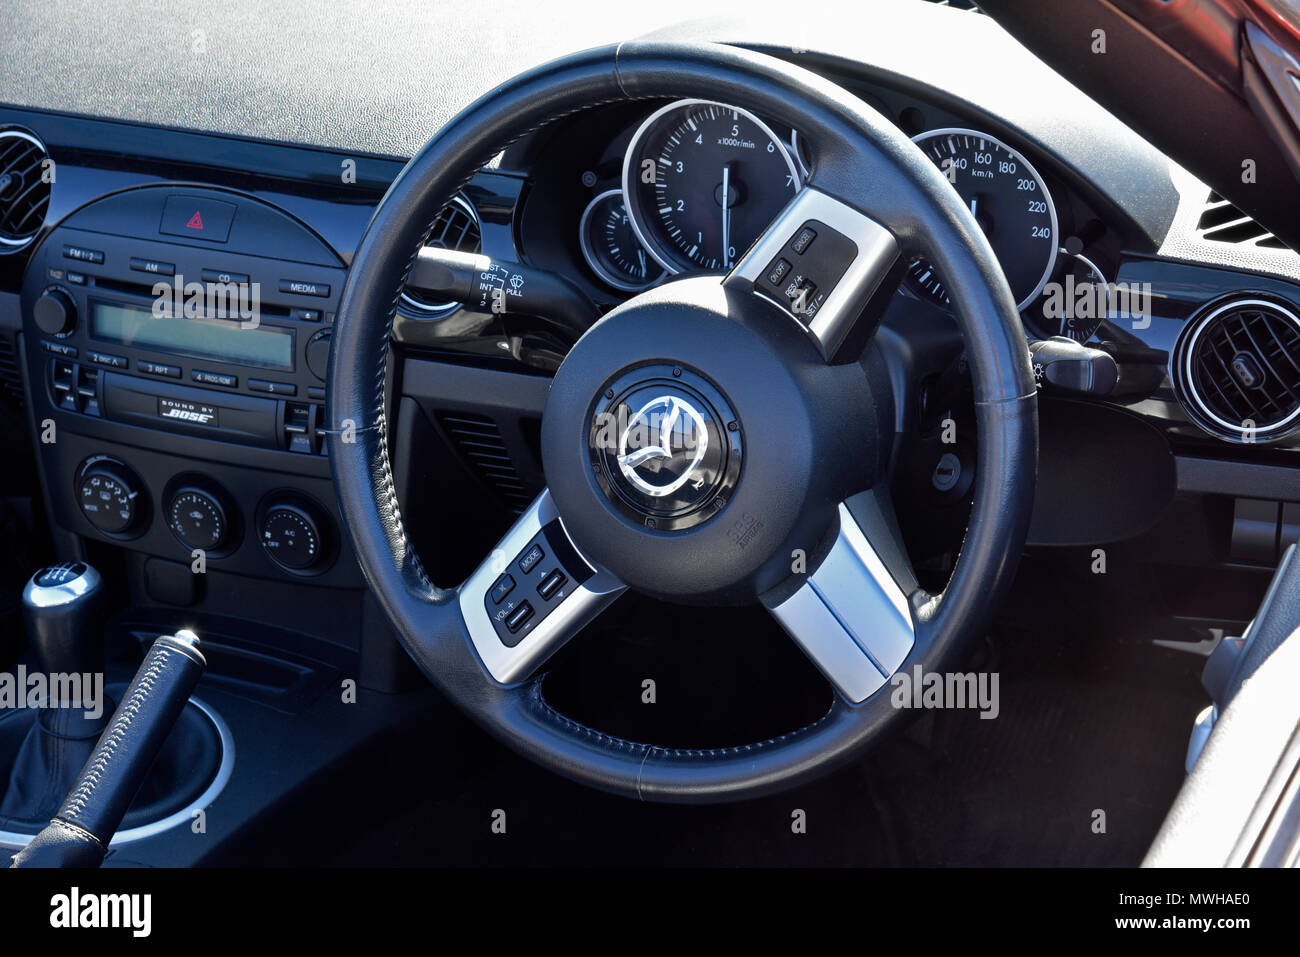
pixel 697 181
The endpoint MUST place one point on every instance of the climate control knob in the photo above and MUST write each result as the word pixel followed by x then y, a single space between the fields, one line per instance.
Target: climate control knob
pixel 108 495
pixel 198 519
pixel 55 312
pixel 292 536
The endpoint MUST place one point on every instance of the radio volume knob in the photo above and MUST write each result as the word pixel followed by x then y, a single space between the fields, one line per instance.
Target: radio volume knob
pixel 55 312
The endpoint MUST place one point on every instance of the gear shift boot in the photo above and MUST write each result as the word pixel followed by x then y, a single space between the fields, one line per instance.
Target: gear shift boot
pixel 62 608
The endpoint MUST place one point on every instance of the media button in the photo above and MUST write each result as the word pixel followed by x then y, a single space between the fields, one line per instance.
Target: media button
pixel 300 287
pixel 214 378
pixel 153 266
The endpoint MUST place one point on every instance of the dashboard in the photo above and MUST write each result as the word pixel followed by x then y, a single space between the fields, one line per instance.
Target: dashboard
pixel 197 434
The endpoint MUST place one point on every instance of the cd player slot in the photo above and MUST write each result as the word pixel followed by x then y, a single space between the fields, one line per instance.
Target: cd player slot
pixel 145 291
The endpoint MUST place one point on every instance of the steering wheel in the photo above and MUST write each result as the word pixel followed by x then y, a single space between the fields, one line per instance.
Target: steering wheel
pixel 707 441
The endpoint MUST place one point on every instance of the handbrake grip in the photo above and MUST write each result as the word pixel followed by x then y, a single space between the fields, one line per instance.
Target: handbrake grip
pixel 80 832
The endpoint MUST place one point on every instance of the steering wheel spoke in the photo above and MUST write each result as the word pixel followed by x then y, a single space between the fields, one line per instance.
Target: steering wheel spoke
pixel 824 264
pixel 853 615
pixel 531 595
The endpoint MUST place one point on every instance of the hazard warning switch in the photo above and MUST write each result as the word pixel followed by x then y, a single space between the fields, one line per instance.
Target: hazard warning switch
pixel 197 217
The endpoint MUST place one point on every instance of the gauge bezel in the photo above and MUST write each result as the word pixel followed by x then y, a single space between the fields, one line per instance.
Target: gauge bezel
pixel 664 256
pixel 920 138
pixel 1032 323
pixel 593 260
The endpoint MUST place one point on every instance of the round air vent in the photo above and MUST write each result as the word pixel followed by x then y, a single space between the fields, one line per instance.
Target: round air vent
pixel 457 227
pixel 24 192
pixel 1236 369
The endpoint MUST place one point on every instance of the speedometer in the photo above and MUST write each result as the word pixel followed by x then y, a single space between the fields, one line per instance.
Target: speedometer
pixel 1010 202
pixel 702 180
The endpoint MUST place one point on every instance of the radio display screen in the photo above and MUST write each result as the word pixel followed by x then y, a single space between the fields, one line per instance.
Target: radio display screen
pixel 268 347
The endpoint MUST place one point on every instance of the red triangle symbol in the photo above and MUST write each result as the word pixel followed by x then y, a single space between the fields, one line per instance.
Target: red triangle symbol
pixel 196 221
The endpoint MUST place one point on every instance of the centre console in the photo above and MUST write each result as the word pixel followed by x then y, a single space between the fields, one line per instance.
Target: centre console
pixel 176 343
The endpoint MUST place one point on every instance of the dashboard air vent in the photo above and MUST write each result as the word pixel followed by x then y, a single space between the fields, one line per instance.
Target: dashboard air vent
pixel 24 192
pixel 479 442
pixel 457 227
pixel 1236 369
pixel 1221 222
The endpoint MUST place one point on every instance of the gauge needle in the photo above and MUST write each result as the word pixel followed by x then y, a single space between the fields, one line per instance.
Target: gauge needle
pixel 640 258
pixel 726 215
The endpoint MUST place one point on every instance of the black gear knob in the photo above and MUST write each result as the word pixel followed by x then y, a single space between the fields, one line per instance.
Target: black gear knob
pixel 63 609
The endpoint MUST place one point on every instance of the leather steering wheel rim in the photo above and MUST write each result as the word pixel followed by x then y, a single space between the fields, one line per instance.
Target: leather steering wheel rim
pixel 862 160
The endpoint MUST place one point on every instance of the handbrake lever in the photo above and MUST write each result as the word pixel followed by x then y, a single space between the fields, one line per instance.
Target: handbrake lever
pixel 80 832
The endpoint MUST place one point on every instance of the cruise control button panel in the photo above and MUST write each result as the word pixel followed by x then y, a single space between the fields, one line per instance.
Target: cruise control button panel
pixel 806 270
pixel 534 583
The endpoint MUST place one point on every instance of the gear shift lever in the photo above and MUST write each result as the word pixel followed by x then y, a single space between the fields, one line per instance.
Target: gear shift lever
pixel 63 609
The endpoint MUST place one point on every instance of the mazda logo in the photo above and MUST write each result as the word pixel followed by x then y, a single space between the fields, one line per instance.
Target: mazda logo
pixel 662 445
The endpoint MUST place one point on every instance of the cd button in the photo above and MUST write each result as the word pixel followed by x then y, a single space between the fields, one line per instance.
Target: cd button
pixel 221 276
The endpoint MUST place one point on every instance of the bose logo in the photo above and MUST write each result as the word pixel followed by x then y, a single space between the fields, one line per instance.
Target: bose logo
pixel 185 415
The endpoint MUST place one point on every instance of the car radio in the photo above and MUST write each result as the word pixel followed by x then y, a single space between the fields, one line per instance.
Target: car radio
pixel 196 314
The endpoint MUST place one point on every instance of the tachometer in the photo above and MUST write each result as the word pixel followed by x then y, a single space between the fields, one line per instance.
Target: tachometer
pixel 1008 199
pixel 702 180
pixel 610 245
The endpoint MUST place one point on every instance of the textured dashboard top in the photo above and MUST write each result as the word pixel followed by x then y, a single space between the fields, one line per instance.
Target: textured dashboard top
pixel 381 76
pixel 373 76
